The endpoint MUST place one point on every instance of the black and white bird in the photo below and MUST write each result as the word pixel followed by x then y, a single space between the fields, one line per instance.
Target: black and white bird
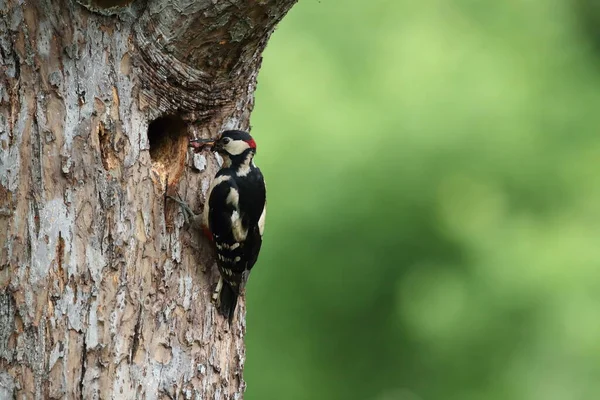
pixel 234 216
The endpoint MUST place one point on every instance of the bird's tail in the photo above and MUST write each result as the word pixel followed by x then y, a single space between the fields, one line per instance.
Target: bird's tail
pixel 228 301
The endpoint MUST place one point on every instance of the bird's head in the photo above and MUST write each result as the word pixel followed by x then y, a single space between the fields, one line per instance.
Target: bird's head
pixel 229 144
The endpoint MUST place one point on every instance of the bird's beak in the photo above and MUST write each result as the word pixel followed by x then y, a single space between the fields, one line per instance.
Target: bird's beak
pixel 199 144
pixel 217 146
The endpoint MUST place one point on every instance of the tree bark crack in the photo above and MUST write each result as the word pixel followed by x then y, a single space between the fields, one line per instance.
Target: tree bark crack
pixel 83 363
pixel 136 335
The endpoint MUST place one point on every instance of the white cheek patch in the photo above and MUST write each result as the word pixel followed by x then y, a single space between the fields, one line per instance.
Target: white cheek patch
pixel 236 147
pixel 261 221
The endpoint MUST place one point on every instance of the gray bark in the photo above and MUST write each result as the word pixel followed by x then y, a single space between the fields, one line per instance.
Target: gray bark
pixel 100 294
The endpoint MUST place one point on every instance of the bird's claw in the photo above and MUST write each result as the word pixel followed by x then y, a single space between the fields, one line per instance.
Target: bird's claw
pixel 187 211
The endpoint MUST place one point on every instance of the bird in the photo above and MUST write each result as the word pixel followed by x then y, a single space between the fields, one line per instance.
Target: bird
pixel 234 216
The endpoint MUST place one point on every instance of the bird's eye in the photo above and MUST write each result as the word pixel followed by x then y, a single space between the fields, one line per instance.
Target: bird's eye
pixel 226 140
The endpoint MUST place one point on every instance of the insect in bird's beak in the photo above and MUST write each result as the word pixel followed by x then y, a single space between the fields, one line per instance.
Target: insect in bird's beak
pixel 199 144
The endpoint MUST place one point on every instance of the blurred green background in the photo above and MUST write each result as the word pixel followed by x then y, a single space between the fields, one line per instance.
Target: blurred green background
pixel 434 202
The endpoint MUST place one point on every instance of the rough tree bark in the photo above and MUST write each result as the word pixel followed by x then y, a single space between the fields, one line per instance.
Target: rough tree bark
pixel 99 295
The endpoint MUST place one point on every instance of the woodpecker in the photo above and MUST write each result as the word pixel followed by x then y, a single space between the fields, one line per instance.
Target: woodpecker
pixel 234 216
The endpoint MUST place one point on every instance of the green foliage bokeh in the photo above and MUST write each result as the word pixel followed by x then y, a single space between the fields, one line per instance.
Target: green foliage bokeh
pixel 434 210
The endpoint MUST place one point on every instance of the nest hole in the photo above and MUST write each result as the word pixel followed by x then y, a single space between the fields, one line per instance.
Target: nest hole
pixel 168 141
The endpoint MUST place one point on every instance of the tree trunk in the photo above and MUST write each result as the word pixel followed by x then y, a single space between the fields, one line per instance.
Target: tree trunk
pixel 100 295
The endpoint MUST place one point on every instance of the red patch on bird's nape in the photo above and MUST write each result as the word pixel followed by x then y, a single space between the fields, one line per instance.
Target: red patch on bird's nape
pixel 251 143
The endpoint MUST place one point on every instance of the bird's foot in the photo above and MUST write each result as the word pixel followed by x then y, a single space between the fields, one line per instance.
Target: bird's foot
pixel 188 214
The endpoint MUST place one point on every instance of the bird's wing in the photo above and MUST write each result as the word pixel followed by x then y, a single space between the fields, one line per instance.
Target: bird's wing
pixel 223 210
